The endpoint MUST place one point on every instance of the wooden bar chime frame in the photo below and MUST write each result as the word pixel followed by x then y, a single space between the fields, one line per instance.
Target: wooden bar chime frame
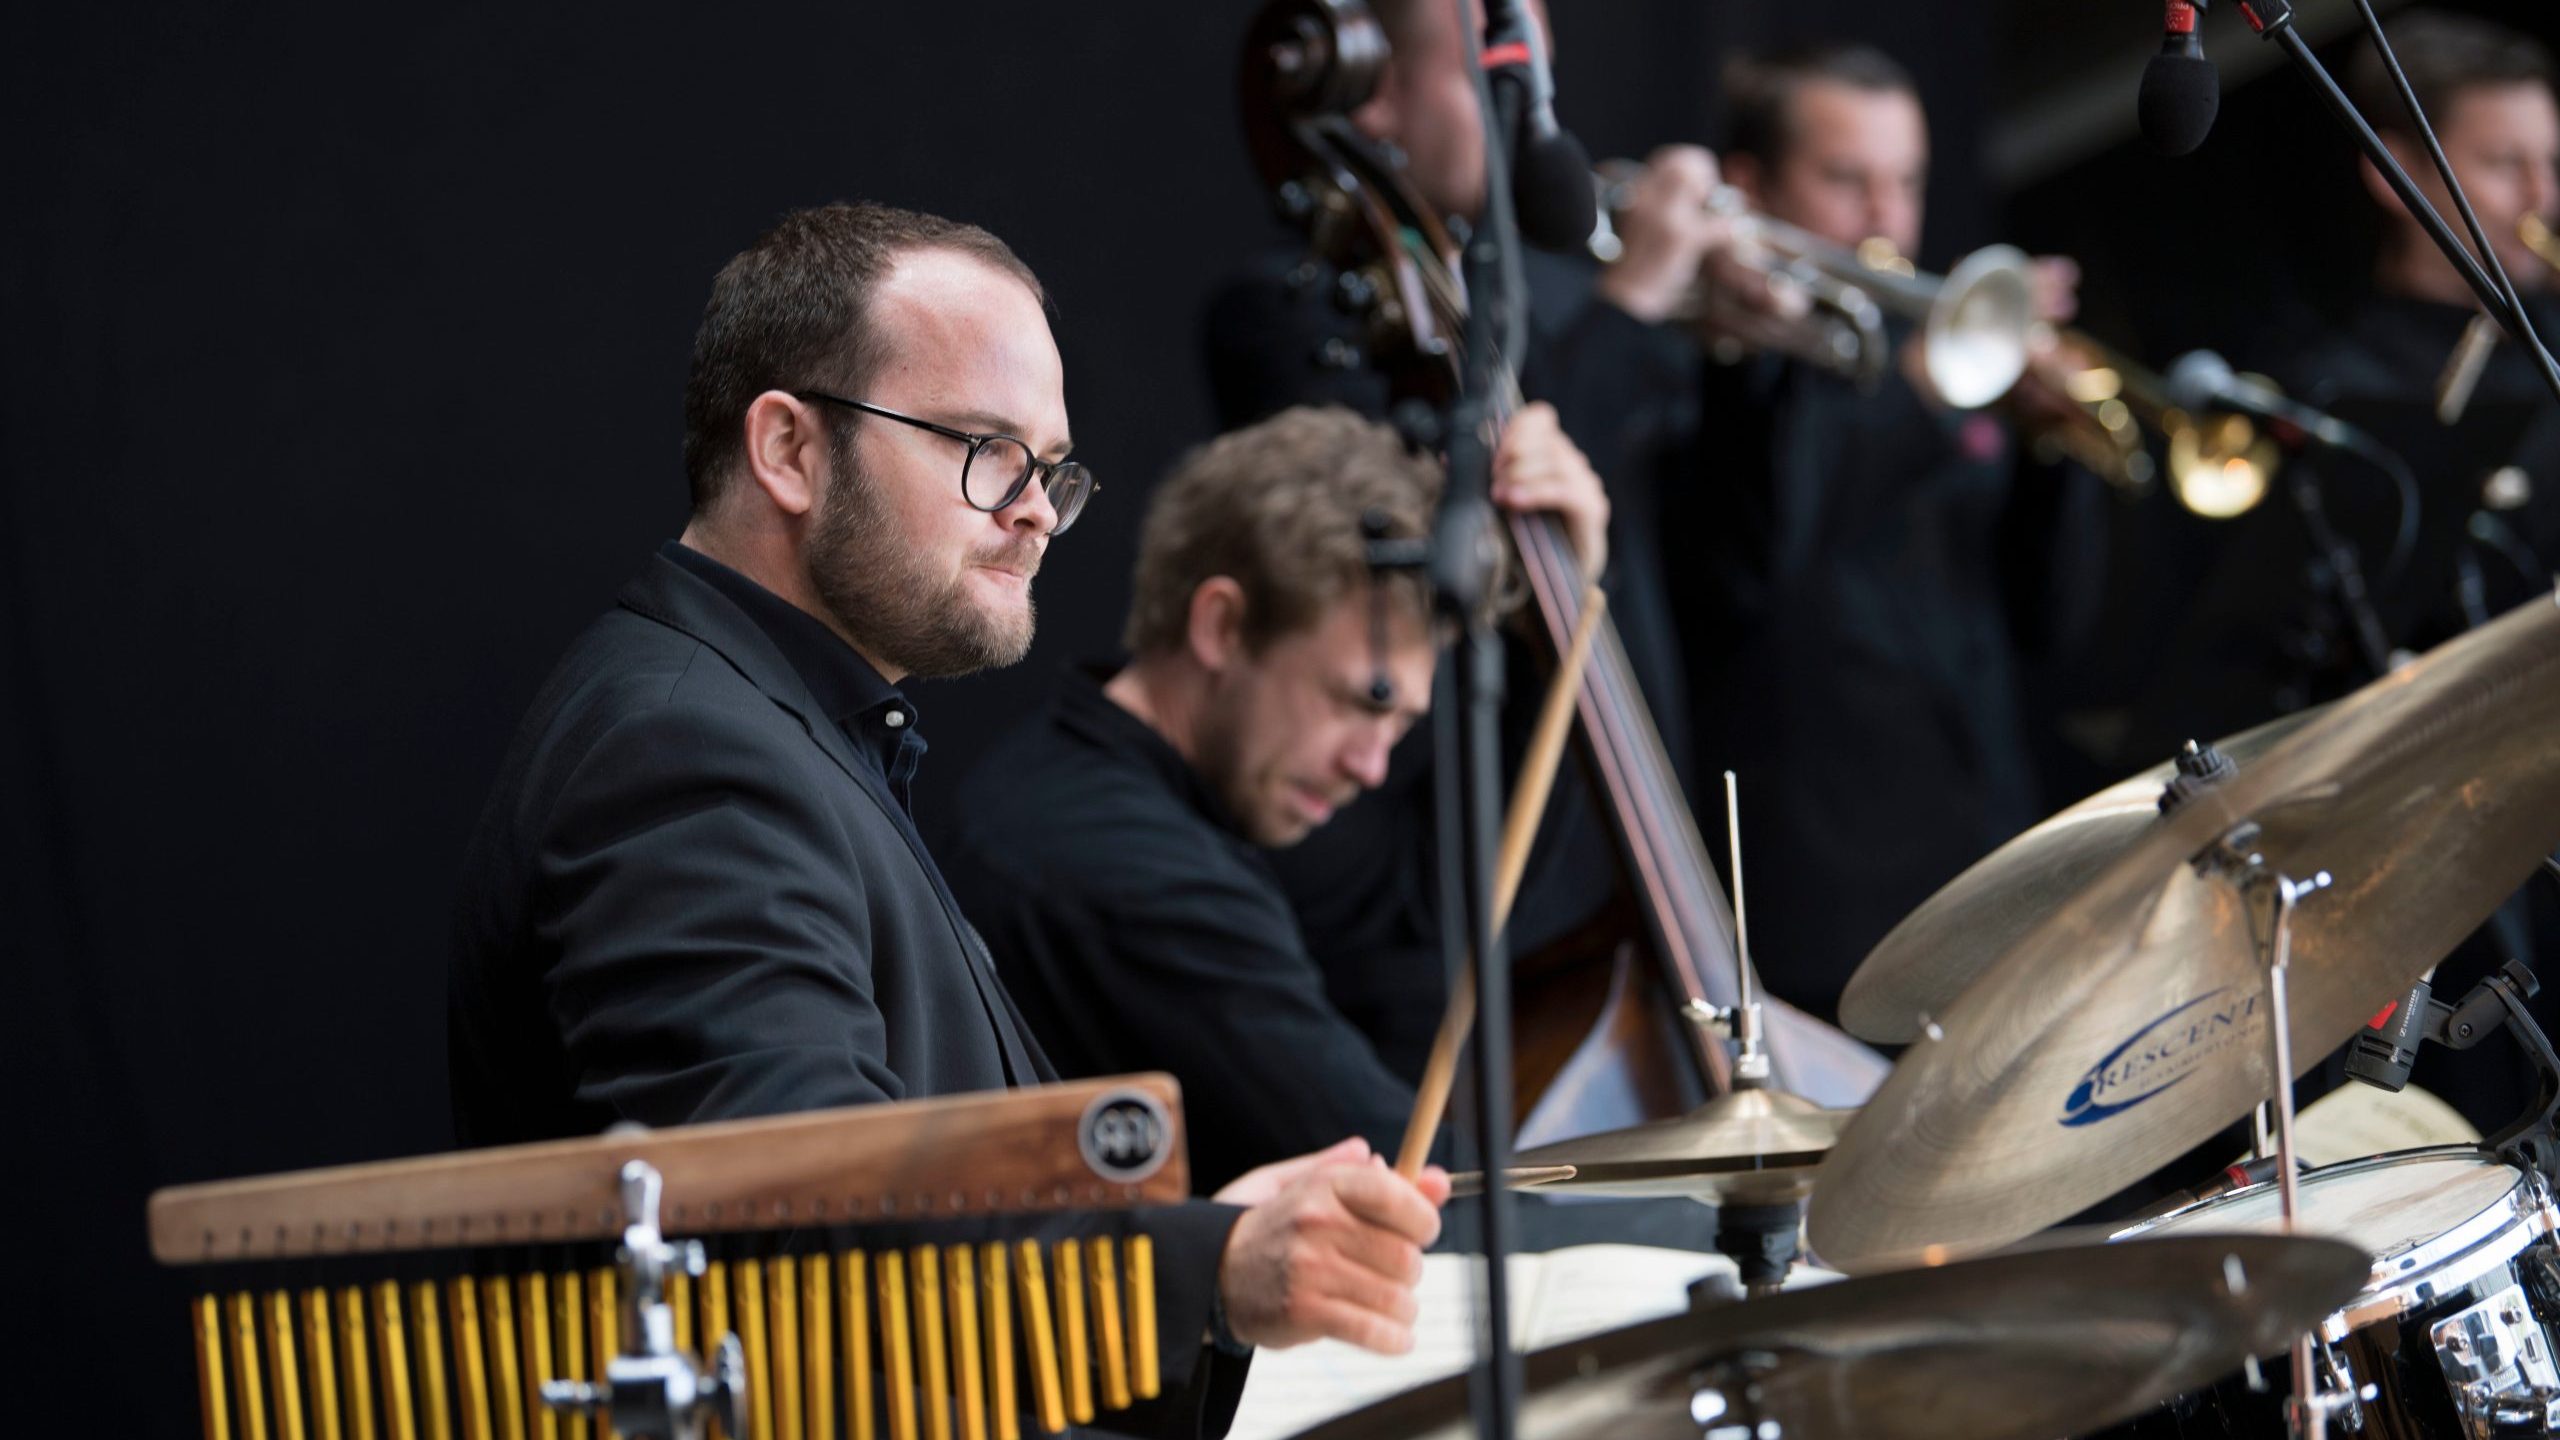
pixel 862 1274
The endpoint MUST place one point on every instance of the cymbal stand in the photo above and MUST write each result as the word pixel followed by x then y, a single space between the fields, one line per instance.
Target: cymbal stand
pixel 2236 861
pixel 1751 1054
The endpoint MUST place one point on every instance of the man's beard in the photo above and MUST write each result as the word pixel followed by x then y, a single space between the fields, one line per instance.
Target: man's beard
pixel 881 590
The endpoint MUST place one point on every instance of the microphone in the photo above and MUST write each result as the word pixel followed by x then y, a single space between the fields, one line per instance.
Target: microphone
pixel 2180 91
pixel 2382 1053
pixel 2230 1178
pixel 1551 191
pixel 2202 381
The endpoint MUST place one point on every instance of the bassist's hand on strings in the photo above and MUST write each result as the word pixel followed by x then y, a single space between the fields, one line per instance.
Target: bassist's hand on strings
pixel 1538 467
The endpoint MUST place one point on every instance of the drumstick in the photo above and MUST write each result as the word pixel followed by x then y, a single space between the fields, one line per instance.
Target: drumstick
pixel 1519 827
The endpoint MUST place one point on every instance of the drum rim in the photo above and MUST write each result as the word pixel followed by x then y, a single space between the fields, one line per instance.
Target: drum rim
pixel 2433 1266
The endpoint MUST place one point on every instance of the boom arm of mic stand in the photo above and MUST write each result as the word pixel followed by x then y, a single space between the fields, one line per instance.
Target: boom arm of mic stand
pixel 2273 20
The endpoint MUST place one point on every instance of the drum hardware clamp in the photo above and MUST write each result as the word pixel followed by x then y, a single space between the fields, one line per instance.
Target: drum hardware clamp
pixel 652 1389
pixel 2501 1367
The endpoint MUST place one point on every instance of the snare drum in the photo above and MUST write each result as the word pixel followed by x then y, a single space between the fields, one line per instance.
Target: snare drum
pixel 2453 1335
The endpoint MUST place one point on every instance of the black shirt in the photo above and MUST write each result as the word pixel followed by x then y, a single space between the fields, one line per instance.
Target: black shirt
pixel 1847 570
pixel 1363 886
pixel 872 713
pixel 1140 930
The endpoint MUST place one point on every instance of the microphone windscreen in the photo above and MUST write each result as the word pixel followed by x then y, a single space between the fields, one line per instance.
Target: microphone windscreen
pixel 2180 95
pixel 2197 381
pixel 1552 192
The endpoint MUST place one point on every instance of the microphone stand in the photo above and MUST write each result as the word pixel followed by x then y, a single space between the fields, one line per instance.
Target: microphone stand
pixel 2273 20
pixel 2346 570
pixel 1467 752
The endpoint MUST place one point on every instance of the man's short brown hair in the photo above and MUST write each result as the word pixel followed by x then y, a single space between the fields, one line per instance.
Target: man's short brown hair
pixel 793 311
pixel 1760 91
pixel 1277 507
pixel 2443 54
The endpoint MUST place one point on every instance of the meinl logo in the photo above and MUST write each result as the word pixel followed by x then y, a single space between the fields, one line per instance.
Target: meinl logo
pixel 2160 1055
pixel 1126 1136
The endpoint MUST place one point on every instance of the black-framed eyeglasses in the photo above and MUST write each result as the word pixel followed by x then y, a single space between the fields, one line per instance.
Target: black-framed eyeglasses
pixel 997 467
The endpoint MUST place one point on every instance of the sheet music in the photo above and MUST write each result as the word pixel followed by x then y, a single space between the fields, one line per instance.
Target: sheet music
pixel 1557 1296
pixel 2354 1121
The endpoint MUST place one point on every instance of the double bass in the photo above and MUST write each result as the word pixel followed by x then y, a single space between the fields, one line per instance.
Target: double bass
pixel 1617 1023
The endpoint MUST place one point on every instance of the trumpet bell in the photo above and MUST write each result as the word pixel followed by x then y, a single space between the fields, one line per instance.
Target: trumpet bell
pixel 1978 327
pixel 2220 467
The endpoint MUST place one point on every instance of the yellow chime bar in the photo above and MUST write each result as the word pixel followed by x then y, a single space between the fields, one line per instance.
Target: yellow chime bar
pixel 749 1312
pixel 284 1379
pixel 715 1318
pixel 782 1327
pixel 932 1343
pixel 817 1346
pixel 391 1352
pixel 321 1357
pixel 968 1372
pixel 426 1335
pixel 213 1392
pixel 533 1326
pixel 604 1325
pixel 507 1390
pixel 1033 1282
pixel 470 1357
pixel 853 1289
pixel 680 1304
pixel 569 1341
pixel 355 1363
pixel 1103 1269
pixel 897 1348
pixel 995 1299
pixel 1148 1379
pixel 1074 1345
pixel 244 1365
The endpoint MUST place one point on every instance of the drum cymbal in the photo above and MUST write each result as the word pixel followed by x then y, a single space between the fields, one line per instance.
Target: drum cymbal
pixel 2045 1342
pixel 1755 1146
pixel 1918 970
pixel 1519 1177
pixel 2429 796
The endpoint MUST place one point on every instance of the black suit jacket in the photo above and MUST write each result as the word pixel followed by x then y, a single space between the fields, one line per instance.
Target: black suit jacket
pixel 690 900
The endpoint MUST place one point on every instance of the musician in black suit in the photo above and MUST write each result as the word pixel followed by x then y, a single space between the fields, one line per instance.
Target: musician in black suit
pixel 1119 844
pixel 696 893
pixel 1866 574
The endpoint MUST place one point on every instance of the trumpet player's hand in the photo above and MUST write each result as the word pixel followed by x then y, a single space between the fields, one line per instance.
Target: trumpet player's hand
pixel 2057 287
pixel 2042 402
pixel 1666 229
pixel 1538 467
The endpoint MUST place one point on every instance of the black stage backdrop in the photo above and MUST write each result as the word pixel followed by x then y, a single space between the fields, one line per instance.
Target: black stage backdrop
pixel 343 354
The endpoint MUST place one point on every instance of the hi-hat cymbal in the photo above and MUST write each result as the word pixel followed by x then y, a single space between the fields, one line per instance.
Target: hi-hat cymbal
pixel 2130 1023
pixel 1467 1183
pixel 1753 1146
pixel 2045 1342
pixel 1918 970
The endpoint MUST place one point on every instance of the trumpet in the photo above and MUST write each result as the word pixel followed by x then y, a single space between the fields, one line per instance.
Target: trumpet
pixel 1976 320
pixel 2470 357
pixel 2220 465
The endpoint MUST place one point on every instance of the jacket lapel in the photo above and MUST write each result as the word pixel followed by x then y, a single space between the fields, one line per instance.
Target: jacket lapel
pixel 666 593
